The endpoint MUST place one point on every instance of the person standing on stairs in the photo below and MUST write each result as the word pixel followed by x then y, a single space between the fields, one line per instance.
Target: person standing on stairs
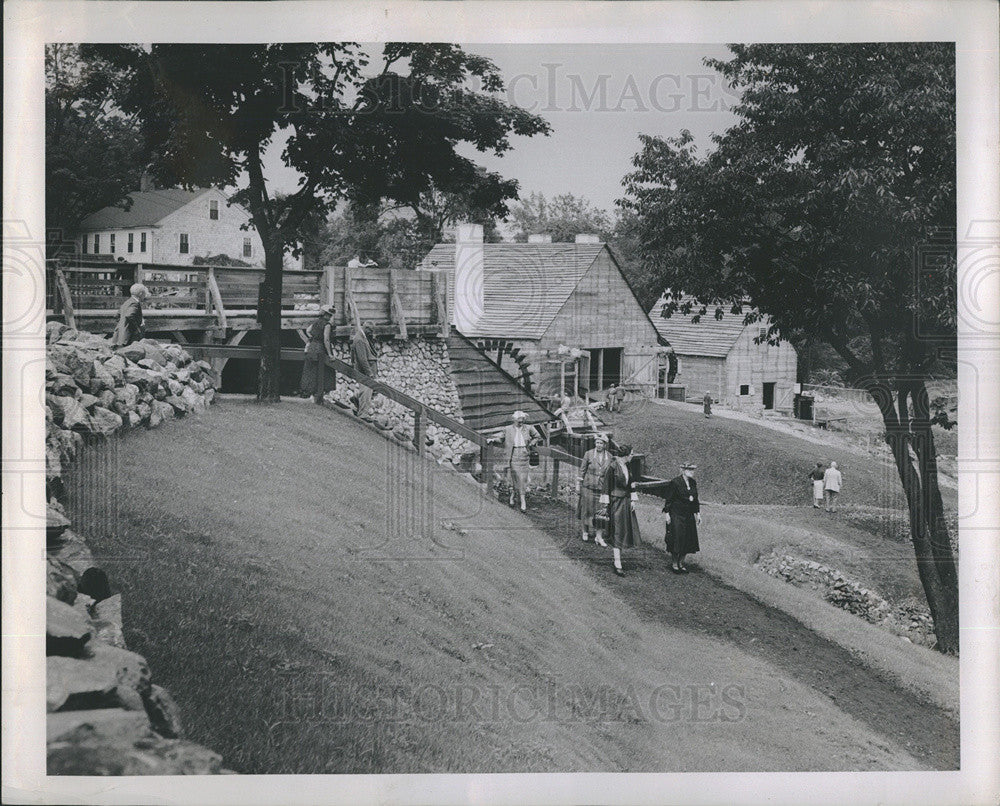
pixel 318 349
pixel 518 437
pixel 620 498
pixel 588 486
pixel 365 361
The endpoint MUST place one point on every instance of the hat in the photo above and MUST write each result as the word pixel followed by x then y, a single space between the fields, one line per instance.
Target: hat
pixel 622 450
pixel 689 466
pixel 519 415
pixel 328 309
pixel 599 437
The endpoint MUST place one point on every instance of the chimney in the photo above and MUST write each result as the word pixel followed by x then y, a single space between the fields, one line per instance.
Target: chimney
pixel 468 307
pixel 540 237
pixel 146 182
pixel 587 238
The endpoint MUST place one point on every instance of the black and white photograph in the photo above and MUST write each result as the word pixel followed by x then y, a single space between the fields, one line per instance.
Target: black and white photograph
pixel 445 395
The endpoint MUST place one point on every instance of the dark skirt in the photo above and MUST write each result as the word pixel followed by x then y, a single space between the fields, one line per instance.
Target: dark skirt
pixel 588 506
pixel 682 534
pixel 623 526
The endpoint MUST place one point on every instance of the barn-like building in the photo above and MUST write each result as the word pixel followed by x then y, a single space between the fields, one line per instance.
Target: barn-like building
pixel 560 316
pixel 722 357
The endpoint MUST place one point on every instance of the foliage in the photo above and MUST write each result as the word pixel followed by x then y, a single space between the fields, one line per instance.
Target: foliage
pixel 830 206
pixel 563 217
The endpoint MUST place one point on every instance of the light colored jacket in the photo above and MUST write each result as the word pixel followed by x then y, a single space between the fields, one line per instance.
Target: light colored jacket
pixel 832 479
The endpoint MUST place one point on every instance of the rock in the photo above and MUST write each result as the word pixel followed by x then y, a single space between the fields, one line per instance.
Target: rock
pixel 164 411
pixel 150 364
pixel 209 396
pixel 67 632
pixel 164 715
pixel 61 384
pixel 105 421
pixel 60 580
pixel 109 723
pixel 183 375
pixel 133 418
pixel 194 401
pixel 133 352
pixel 154 351
pixel 88 400
pixel 53 330
pixel 127 395
pixel 100 378
pixel 142 378
pixel 107 399
pixel 55 523
pixel 69 413
pixel 94 584
pixel 176 387
pixel 144 410
pixel 160 393
pixel 178 403
pixel 111 677
pixel 83 752
pixel 107 621
pixel 115 366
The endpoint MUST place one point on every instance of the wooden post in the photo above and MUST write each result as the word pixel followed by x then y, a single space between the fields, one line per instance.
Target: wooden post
pixel 349 302
pixel 600 370
pixel 419 428
pixel 213 290
pixel 486 461
pixel 439 290
pixel 555 477
pixel 67 300
pixel 396 314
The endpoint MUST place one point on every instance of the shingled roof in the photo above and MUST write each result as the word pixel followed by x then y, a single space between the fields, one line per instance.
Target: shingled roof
pixel 708 337
pixel 148 209
pixel 524 284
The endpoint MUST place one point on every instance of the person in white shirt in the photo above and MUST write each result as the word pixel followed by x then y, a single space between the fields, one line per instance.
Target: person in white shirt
pixel 832 479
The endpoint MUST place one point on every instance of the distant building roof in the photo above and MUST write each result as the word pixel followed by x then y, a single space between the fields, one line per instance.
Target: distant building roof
pixel 148 208
pixel 525 285
pixel 709 337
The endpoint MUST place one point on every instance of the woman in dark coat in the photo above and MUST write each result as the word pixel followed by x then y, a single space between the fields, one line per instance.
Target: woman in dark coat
pixel 620 498
pixel 683 516
pixel 314 376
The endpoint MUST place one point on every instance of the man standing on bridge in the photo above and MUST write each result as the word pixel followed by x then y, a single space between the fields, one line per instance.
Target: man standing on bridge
pixel 130 325
pixel 366 362
pixel 318 349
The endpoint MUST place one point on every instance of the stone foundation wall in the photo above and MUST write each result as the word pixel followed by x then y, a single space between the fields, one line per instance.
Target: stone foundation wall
pixel 105 716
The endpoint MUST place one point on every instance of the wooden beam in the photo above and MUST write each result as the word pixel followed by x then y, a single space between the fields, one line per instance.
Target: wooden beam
pixel 419 420
pixel 349 301
pixel 439 290
pixel 396 314
pixel 65 299
pixel 181 338
pixel 213 289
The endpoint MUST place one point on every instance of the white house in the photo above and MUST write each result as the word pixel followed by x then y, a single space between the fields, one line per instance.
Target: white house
pixel 173 226
pixel 722 356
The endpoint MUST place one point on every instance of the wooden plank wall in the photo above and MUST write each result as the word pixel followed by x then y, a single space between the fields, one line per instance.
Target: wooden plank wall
pixel 370 289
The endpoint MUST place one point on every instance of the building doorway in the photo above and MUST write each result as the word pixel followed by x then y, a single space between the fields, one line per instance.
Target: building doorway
pixel 768 395
pixel 605 367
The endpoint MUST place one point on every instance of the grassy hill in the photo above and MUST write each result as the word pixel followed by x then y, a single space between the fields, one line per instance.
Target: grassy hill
pixel 320 600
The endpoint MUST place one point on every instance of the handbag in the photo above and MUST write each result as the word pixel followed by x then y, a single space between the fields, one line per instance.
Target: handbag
pixel 533 458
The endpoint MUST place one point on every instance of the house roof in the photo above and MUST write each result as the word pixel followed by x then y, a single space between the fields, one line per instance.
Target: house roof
pixel 148 208
pixel 524 284
pixel 709 337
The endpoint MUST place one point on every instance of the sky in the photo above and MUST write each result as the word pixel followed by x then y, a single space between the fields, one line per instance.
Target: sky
pixel 598 99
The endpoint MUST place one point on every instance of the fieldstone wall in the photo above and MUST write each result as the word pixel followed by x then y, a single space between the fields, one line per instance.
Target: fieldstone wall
pixel 420 368
pixel 105 716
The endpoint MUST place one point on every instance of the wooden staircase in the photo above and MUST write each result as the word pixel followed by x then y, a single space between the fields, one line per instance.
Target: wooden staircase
pixel 488 394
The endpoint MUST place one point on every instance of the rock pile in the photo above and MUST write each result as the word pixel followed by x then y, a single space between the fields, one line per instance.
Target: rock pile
pixel 105 715
pixel 91 388
pixel 909 618
pixel 420 368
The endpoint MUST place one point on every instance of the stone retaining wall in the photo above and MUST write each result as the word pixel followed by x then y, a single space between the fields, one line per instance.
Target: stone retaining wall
pixel 105 716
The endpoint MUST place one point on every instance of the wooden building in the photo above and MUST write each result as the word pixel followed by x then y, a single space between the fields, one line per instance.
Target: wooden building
pixel 722 357
pixel 559 316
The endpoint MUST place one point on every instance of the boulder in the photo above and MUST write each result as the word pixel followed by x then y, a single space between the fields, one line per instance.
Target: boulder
pixel 160 393
pixel 60 580
pixel 164 715
pixel 164 410
pixel 179 404
pixel 133 352
pixel 150 364
pixel 68 412
pixel 107 621
pixel 94 585
pixel 84 752
pixel 100 378
pixel 61 384
pixel 115 366
pixel 194 401
pixel 53 330
pixel 88 400
pixel 176 387
pixel 127 395
pixel 56 523
pixel 69 334
pixel 154 351
pixel 112 677
pixel 183 375
pixel 208 395
pixel 142 378
pixel 144 410
pixel 109 723
pixel 104 421
pixel 67 631
pixel 107 399
pixel 133 419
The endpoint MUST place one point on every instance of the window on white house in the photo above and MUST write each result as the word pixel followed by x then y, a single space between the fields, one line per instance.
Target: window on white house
pixel 97 243
pixel 131 242
pixel 762 334
pixel 213 210
pixel 247 248
pixel 184 243
pixel 744 389
pixel 142 241
pixel 112 243
pixel 83 245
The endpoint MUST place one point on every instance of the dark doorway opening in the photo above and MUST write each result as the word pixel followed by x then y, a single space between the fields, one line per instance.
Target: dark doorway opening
pixel 605 367
pixel 768 395
pixel 240 374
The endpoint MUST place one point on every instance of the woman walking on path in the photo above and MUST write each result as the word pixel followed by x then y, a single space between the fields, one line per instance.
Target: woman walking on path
pixel 707 404
pixel 589 485
pixel 816 477
pixel 620 497
pixel 683 516
pixel 517 439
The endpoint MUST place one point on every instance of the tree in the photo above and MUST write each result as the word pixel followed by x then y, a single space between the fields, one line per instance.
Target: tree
pixel 830 206
pixel 210 112
pixel 564 217
pixel 94 156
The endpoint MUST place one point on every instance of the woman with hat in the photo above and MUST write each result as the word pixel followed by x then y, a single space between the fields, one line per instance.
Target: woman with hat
pixel 318 348
pixel 518 437
pixel 595 463
pixel 683 516
pixel 620 497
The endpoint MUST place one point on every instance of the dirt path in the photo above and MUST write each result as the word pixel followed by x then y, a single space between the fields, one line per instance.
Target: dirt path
pixel 698 603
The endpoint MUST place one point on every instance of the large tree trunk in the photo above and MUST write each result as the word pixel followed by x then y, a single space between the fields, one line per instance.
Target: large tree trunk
pixel 269 374
pixel 912 444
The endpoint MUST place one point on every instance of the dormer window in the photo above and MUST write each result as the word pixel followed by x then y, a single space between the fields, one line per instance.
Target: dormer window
pixel 213 210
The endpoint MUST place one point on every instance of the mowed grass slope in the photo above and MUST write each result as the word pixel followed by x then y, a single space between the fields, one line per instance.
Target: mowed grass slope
pixel 319 600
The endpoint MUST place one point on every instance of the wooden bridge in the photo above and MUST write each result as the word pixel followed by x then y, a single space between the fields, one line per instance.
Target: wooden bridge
pixel 221 301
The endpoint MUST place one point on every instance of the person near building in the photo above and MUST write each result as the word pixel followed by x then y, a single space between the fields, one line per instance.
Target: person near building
pixel 365 361
pixel 318 349
pixel 130 325
pixel 707 404
pixel 683 517
pixel 361 262
pixel 832 481
pixel 816 481
pixel 620 498
pixel 620 396
pixel 589 487
pixel 610 399
pixel 518 438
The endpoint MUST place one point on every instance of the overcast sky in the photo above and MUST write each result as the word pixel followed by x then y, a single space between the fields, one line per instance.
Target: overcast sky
pixel 598 99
